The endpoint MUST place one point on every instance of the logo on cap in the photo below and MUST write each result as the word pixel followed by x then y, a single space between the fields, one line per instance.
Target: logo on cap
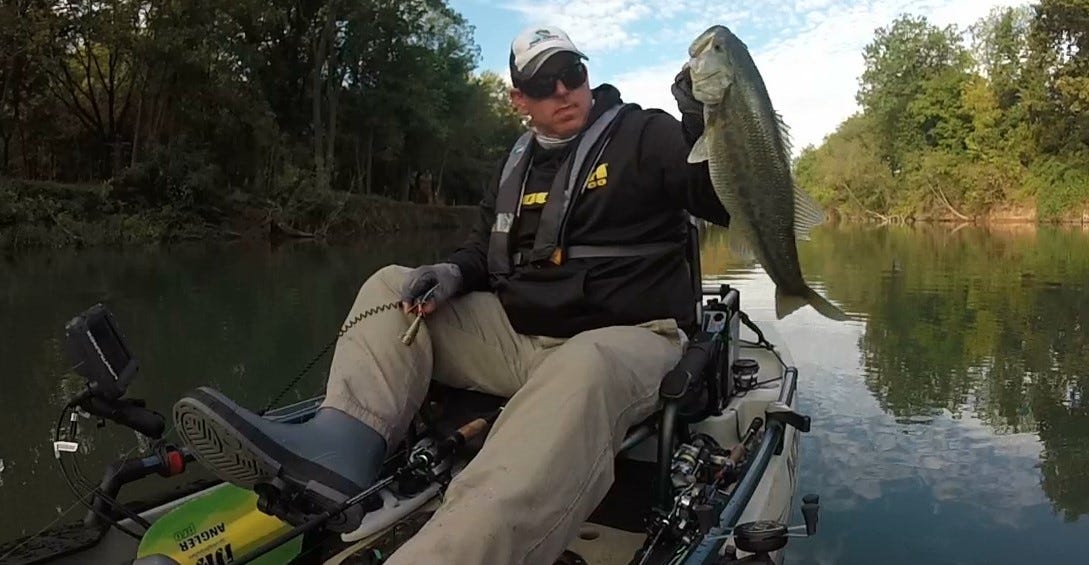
pixel 542 35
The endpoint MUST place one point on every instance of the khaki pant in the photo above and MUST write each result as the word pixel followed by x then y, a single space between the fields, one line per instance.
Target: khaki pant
pixel 548 460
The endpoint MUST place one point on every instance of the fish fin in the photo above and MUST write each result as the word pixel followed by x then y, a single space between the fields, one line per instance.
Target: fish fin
pixel 739 240
pixel 784 134
pixel 700 152
pixel 785 304
pixel 807 214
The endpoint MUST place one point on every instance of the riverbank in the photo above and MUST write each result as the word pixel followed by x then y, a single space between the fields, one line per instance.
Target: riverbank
pixel 1004 214
pixel 35 214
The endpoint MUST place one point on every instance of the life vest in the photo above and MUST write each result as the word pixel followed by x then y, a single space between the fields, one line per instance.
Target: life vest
pixel 549 244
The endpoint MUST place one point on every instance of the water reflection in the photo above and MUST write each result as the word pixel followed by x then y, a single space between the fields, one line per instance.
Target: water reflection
pixel 242 318
pixel 952 407
pixel 949 420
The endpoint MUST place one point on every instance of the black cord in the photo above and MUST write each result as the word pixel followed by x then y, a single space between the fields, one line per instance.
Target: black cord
pixel 759 334
pixel 768 347
pixel 82 481
pixel 82 497
pixel 359 317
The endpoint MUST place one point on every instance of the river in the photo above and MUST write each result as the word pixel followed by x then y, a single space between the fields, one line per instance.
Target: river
pixel 949 418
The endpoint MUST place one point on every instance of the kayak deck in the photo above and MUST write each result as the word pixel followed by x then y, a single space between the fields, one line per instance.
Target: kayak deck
pixel 614 533
pixel 611 536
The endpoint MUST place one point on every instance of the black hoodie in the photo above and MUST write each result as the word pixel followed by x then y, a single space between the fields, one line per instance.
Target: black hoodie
pixel 646 184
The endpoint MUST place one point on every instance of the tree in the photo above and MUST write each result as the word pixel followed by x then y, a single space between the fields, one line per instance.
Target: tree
pixel 966 132
pixel 901 61
pixel 1001 50
pixel 189 102
pixel 847 171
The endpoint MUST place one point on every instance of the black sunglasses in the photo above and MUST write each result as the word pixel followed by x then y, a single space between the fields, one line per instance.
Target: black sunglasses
pixel 543 85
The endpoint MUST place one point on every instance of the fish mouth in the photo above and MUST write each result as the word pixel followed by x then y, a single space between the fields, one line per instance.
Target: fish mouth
pixel 702 95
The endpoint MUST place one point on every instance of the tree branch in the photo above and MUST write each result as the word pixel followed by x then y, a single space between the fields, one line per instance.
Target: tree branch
pixel 941 196
pixel 851 193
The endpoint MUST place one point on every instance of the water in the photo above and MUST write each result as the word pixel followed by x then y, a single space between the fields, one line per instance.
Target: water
pixel 949 419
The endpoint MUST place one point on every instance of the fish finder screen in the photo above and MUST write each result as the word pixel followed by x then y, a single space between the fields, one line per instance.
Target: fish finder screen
pixel 99 353
pixel 108 343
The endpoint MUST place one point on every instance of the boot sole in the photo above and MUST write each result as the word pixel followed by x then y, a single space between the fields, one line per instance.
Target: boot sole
pixel 241 454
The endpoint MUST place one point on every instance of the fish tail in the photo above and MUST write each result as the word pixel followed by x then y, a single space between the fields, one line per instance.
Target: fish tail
pixel 786 303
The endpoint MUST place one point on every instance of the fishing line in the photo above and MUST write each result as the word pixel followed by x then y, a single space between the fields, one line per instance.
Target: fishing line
pixel 79 499
pixel 40 532
pixel 82 499
pixel 306 368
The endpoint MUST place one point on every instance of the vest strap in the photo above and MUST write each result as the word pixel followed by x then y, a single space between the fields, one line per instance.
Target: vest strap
pixel 598 251
pixel 564 191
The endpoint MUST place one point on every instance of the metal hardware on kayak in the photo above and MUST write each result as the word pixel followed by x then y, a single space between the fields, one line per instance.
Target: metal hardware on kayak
pixel 779 417
pixel 762 537
pixel 99 353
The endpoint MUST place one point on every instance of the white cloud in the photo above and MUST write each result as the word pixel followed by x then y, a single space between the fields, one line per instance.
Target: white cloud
pixel 650 87
pixel 595 26
pixel 809 52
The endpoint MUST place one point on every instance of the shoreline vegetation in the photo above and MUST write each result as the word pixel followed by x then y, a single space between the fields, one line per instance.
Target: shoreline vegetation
pixel 987 124
pixel 135 122
pixel 37 214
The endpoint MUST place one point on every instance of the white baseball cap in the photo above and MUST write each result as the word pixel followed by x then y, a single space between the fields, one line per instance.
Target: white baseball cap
pixel 534 45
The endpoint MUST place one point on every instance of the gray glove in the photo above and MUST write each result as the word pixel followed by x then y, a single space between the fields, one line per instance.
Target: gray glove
pixel 446 275
pixel 682 93
pixel 691 109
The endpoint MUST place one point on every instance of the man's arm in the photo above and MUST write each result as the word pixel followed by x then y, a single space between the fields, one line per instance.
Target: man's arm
pixel 472 256
pixel 688 185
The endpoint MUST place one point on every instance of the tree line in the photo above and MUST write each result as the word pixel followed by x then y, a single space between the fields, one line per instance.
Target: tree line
pixel 965 123
pixel 193 103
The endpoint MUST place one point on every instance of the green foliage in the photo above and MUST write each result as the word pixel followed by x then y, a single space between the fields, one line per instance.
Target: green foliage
pixel 195 105
pixel 180 176
pixel 953 132
pixel 903 63
pixel 847 173
pixel 35 214
pixel 1059 184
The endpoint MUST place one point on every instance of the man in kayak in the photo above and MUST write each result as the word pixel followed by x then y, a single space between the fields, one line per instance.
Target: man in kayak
pixel 568 299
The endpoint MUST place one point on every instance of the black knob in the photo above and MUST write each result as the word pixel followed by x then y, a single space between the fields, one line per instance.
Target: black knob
pixel 762 536
pixel 745 367
pixel 810 507
pixel 705 517
pixel 745 373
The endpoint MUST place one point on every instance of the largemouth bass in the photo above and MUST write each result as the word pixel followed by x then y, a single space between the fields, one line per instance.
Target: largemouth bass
pixel 747 150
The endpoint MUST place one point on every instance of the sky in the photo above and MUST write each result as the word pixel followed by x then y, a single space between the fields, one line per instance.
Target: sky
pixel 809 52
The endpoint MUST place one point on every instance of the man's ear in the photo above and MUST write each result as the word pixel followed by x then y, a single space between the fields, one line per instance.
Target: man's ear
pixel 518 100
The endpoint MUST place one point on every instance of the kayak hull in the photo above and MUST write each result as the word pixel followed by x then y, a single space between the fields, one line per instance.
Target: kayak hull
pixel 609 537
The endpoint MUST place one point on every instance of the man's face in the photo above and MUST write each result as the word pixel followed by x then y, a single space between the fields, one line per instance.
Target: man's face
pixel 561 111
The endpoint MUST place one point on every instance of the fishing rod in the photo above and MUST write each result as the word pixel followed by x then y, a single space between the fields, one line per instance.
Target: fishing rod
pixel 421 461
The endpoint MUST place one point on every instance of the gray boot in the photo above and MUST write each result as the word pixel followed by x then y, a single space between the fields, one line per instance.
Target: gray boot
pixel 329 458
